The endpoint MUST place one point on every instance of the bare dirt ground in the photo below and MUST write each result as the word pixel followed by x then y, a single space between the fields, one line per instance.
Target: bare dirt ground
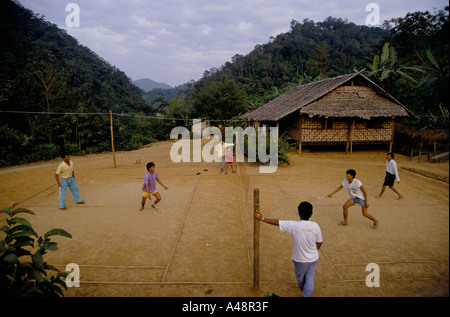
pixel 203 243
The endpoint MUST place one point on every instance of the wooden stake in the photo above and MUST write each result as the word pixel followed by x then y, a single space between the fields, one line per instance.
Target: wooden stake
pixel 112 138
pixel 351 139
pixel 300 136
pixel 256 241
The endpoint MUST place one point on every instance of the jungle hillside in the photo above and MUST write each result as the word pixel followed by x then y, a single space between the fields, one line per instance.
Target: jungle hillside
pixel 56 94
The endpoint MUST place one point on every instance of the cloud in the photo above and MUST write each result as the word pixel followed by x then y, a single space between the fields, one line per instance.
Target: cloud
pixel 177 40
pixel 104 40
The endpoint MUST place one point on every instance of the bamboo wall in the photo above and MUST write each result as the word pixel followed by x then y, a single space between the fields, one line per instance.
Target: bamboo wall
pixel 319 131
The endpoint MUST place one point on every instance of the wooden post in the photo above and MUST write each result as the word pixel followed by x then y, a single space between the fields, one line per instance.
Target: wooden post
pixel 351 138
pixel 256 240
pixel 391 144
pixel 112 138
pixel 300 135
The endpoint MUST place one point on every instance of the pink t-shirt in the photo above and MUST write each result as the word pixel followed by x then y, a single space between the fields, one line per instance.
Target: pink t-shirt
pixel 229 157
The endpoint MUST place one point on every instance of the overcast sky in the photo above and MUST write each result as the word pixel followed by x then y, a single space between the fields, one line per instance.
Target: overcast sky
pixel 174 41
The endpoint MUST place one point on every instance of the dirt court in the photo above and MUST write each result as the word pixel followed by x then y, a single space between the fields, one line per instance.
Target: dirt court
pixel 203 243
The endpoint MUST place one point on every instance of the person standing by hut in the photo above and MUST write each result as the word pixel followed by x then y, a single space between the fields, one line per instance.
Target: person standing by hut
pixel 391 176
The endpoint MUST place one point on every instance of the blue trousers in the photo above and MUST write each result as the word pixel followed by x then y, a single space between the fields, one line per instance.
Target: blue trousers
pixel 304 272
pixel 222 162
pixel 68 182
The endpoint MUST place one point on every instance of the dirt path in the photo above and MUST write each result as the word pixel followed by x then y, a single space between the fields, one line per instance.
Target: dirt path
pixel 202 245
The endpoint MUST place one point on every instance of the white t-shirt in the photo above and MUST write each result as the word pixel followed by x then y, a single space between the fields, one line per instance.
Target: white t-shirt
pixel 391 168
pixel 354 189
pixel 218 150
pixel 305 235
pixel 221 148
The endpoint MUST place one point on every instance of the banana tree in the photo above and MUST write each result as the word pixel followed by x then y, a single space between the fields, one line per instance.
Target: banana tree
pixel 386 68
pixel 435 83
pixel 435 74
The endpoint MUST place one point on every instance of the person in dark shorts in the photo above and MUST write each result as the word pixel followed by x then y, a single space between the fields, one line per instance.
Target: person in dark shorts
pixel 391 176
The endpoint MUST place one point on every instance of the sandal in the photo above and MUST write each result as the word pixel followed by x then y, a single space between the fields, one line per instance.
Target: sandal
pixel 342 223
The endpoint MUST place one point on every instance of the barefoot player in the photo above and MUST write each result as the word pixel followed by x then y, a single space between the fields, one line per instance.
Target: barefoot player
pixel 358 195
pixel 391 175
pixel 149 187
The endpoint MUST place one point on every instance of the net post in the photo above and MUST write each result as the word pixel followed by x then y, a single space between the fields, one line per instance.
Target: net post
pixel 112 137
pixel 256 240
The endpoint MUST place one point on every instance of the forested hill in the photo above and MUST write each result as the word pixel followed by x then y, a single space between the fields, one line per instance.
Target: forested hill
pixel 32 45
pixel 147 84
pixel 309 50
pixel 43 69
pixel 56 94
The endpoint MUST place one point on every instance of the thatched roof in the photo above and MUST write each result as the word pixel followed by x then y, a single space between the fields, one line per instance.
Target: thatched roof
pixel 351 95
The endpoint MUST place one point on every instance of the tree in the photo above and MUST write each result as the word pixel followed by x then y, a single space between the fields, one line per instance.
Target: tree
pixel 178 108
pixel 436 79
pixel 386 67
pixel 417 31
pixel 320 60
pixel 49 77
pixel 219 100
pixel 436 83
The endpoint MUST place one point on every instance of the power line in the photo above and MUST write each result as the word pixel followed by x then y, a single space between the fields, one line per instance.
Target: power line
pixel 106 114
pixel 136 115
pixel 58 113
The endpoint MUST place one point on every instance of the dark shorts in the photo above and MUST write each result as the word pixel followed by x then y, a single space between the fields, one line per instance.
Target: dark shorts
pixel 389 179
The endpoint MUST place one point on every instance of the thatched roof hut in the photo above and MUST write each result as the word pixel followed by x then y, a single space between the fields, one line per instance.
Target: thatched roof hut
pixel 345 109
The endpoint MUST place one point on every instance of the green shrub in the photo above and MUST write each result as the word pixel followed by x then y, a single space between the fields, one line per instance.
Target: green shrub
pixel 104 146
pixel 22 272
pixel 284 146
pixel 71 148
pixel 43 152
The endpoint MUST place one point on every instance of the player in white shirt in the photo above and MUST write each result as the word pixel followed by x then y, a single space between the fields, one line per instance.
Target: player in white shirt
pixel 306 242
pixel 358 195
pixel 391 175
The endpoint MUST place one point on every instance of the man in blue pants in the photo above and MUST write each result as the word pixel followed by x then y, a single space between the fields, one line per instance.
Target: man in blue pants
pixel 307 240
pixel 65 177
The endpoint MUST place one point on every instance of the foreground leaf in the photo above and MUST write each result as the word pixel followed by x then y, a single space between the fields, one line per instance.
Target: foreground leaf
pixel 57 232
pixel 21 210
